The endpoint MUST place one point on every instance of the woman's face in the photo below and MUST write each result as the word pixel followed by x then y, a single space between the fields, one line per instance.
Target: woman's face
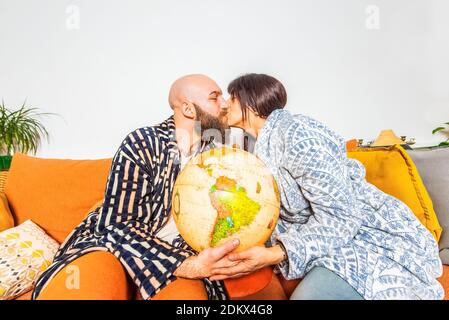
pixel 235 118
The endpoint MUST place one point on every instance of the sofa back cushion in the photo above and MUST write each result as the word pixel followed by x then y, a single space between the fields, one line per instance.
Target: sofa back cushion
pixel 56 194
pixel 433 166
pixel 393 171
pixel 6 217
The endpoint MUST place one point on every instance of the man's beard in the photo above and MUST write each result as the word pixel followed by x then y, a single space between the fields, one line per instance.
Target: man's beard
pixel 216 125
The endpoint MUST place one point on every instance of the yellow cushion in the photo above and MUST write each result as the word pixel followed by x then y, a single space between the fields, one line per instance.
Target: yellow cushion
pixel 393 171
pixel 25 252
pixel 6 218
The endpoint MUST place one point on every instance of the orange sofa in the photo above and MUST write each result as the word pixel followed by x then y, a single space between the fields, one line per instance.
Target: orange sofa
pixel 57 194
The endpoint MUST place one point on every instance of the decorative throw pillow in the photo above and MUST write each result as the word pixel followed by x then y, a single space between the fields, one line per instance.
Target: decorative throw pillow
pixel 25 252
pixel 433 166
pixel 392 170
pixel 6 218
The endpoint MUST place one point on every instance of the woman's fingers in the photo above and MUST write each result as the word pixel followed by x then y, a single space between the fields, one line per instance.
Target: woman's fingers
pixel 240 256
pixel 225 263
pixel 218 278
pixel 224 277
pixel 231 271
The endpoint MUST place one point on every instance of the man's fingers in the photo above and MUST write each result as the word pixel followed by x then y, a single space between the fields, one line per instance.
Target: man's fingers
pixel 221 251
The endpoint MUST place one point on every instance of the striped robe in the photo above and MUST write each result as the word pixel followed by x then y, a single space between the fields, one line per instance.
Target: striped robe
pixel 136 206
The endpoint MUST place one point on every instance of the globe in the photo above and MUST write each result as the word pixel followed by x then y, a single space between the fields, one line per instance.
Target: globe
pixel 222 194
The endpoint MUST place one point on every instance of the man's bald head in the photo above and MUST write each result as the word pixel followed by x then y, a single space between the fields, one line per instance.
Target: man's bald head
pixel 195 99
pixel 191 88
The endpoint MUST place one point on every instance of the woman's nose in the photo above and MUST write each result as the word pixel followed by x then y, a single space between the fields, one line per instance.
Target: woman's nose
pixel 225 104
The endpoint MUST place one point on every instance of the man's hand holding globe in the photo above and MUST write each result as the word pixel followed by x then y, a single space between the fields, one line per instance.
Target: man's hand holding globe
pixel 220 263
pixel 249 261
pixel 208 262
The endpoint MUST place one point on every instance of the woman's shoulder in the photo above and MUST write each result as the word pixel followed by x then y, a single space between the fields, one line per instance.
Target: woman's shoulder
pixel 296 135
pixel 299 127
pixel 298 141
pixel 282 118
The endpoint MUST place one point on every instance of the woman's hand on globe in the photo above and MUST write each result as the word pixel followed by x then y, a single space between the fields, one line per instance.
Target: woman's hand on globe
pixel 249 261
pixel 208 261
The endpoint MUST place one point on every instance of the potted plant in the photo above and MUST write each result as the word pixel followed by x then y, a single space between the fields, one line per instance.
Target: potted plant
pixel 444 129
pixel 20 131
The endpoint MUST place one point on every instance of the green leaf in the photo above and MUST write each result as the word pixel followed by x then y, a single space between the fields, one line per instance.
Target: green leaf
pixel 438 129
pixel 21 130
pixel 444 144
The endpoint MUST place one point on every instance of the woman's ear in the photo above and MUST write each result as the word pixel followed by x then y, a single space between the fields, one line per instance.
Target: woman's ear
pixel 188 110
pixel 253 111
pixel 251 115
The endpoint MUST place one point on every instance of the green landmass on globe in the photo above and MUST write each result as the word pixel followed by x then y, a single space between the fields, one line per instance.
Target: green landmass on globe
pixel 225 193
pixel 235 209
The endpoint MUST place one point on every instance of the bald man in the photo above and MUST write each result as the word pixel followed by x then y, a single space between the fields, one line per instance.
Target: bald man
pixel 134 222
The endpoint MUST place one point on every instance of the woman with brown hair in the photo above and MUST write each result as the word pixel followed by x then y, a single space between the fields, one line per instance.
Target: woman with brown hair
pixel 342 235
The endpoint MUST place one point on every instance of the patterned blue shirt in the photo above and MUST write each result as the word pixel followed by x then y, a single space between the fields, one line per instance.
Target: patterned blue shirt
pixel 332 217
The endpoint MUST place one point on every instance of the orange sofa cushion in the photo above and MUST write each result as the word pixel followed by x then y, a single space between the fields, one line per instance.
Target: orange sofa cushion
pixel 272 291
pixel 101 277
pixel 56 194
pixel 183 289
pixel 249 284
pixel 6 218
pixel 444 280
pixel 393 171
pixel 351 145
pixel 25 296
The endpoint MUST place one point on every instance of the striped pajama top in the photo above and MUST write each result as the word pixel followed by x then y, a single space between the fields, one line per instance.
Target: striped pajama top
pixel 136 206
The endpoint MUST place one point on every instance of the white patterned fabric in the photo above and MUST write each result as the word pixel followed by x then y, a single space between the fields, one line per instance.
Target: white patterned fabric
pixel 333 218
pixel 25 252
pixel 169 232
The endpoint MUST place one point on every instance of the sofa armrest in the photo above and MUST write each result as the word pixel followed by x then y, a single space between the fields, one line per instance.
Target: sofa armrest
pixel 94 276
pixel 6 217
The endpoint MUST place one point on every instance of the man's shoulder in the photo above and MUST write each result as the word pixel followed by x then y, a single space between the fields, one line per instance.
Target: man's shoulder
pixel 150 134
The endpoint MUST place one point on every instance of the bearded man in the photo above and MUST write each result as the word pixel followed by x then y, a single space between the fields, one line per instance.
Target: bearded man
pixel 134 222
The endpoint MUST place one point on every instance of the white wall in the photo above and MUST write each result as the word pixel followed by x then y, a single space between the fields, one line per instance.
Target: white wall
pixel 112 74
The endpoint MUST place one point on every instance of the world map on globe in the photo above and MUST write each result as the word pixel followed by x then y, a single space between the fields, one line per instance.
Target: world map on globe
pixel 225 193
pixel 235 209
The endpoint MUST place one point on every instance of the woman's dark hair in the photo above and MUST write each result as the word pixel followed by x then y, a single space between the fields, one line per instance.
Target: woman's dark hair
pixel 260 92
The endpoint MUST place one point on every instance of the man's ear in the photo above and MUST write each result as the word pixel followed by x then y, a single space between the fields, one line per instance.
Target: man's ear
pixel 188 110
